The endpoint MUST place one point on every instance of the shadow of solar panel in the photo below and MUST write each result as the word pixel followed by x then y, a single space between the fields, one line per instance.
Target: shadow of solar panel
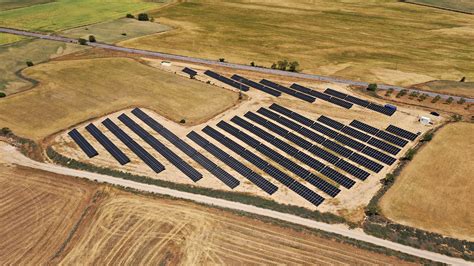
pixel 333 146
pixel 85 146
pixel 338 177
pixel 392 138
pixel 384 146
pixel 330 122
pixel 174 159
pixel 107 144
pixel 312 135
pixel 352 169
pixel 356 134
pixel 253 177
pixel 325 130
pixel 357 101
pixel 227 81
pixel 134 146
pixel 381 109
pixel 340 102
pixel 327 156
pixel 335 93
pixel 364 127
pixel 256 85
pixel 367 163
pixel 317 94
pixel 350 142
pixel 380 156
pixel 189 71
pixel 402 132
pixel 306 193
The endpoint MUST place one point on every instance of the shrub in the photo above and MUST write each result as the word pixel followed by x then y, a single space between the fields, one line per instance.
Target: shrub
pixel 82 41
pixel 423 97
pixel 29 63
pixel 129 16
pixel 252 63
pixel 221 59
pixel 124 34
pixel 401 93
pixel 435 99
pixel 2 94
pixel 282 64
pixel 5 131
pixel 182 121
pixel 409 155
pixel 449 100
pixel 372 210
pixel 143 17
pixel 372 87
pixel 388 180
pixel 274 66
pixel 152 19
pixel 461 100
pixel 293 66
pixel 427 137
pixel 389 92
pixel 414 94
pixel 91 38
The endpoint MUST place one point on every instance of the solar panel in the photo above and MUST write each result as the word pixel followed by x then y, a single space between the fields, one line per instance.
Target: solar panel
pixel 289 91
pixel 107 144
pixel 364 127
pixel 357 101
pixel 402 132
pixel 325 130
pixel 340 102
pixel 256 85
pixel 330 122
pixel 338 177
pixel 339 149
pixel 384 146
pixel 310 161
pixel 392 138
pixel 380 156
pixel 83 143
pixel 358 146
pixel 189 71
pixel 327 156
pixel 134 146
pixel 311 92
pixel 306 193
pixel 335 93
pixel 299 141
pixel 352 169
pixel 227 81
pixel 366 162
pixel 356 134
pixel 312 135
pixel 381 109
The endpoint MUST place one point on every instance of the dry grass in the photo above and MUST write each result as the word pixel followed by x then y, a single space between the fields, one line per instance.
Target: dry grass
pixel 129 229
pixel 74 91
pixel 37 212
pixel 464 89
pixel 434 192
pixel 377 41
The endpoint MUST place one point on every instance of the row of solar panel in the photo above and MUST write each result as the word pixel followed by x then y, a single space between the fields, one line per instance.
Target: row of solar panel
pixel 289 91
pixel 322 96
pixel 189 71
pixel 361 102
pixel 379 133
pixel 263 165
pixel 256 85
pixel 226 80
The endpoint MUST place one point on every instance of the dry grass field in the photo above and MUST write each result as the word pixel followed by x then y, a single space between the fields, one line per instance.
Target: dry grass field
pixel 464 89
pixel 378 41
pixel 461 5
pixel 434 192
pixel 37 212
pixel 74 91
pixel 130 229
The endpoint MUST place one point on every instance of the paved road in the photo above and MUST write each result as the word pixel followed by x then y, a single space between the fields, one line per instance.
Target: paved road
pixel 9 155
pixel 216 63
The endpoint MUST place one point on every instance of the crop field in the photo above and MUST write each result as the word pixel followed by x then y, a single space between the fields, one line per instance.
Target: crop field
pixel 376 41
pixel 37 210
pixel 129 229
pixel 12 4
pixel 9 38
pixel 461 5
pixel 465 89
pixel 434 192
pixel 74 91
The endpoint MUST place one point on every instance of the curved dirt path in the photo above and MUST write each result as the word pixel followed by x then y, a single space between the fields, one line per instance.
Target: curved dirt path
pixel 9 155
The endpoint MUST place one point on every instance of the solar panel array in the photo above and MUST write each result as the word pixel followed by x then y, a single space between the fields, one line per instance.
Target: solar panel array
pixel 361 102
pixel 189 71
pixel 108 145
pixel 280 159
pixel 263 165
pixel 289 91
pixel 322 96
pixel 179 163
pixel 401 132
pixel 226 80
pixel 214 169
pixel 132 145
pixel 379 133
pixel 240 168
pixel 83 143
pixel 256 85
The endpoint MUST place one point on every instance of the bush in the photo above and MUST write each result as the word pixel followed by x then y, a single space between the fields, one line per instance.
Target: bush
pixel 423 97
pixel 427 137
pixel 5 131
pixel 124 34
pixel 129 16
pixel 414 94
pixel 461 100
pixel 182 121
pixel 91 38
pixel 82 41
pixel 409 155
pixel 293 66
pixel 252 63
pixel 143 17
pixel 2 94
pixel 274 66
pixel 435 99
pixel 372 87
pixel 401 93
pixel 152 19
pixel 389 92
pixel 372 210
pixel 449 100
pixel 29 63
pixel 388 180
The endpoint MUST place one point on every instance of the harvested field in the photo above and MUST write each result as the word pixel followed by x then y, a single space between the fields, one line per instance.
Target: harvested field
pixel 131 229
pixel 461 5
pixel 434 191
pixel 37 212
pixel 374 41
pixel 74 91
pixel 463 89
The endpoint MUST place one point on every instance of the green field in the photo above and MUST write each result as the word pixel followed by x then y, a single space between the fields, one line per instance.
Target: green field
pixel 461 5
pixel 379 40
pixel 65 14
pixel 9 38
pixel 12 4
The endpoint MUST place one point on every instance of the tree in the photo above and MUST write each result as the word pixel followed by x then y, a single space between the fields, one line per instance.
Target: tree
pixel 91 38
pixel 29 63
pixel 221 59
pixel 252 63
pixel 409 155
pixel 428 136
pixel 5 131
pixel 282 64
pixel 372 210
pixel 293 66
pixel 182 121
pixel 143 17
pixel 463 79
pixel 2 94
pixel 461 100
pixel 372 87
pixel 82 41
pixel 152 19
pixel 129 16
pixel 274 66
pixel 389 179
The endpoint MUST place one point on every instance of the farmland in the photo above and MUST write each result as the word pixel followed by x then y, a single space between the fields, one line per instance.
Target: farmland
pixel 73 91
pixel 461 5
pixel 464 89
pixel 434 192
pixel 386 41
